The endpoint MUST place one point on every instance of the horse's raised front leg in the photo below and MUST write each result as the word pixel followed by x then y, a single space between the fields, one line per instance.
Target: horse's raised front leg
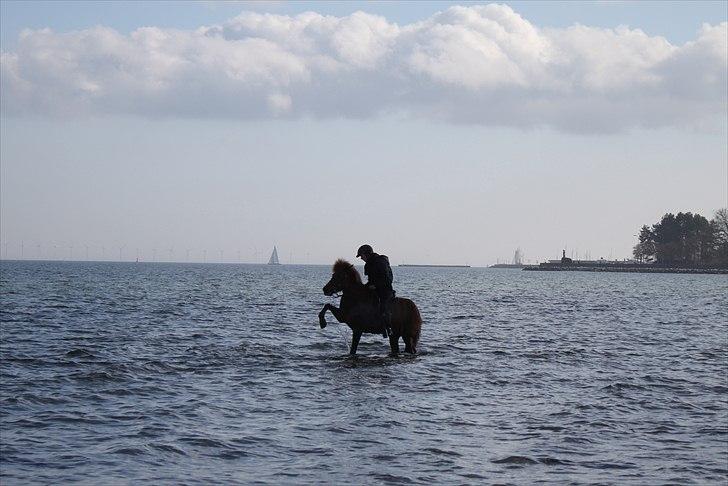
pixel 322 314
pixel 337 312
pixel 355 337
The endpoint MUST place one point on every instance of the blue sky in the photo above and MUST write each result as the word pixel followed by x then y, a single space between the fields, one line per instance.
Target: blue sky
pixel 678 21
pixel 450 138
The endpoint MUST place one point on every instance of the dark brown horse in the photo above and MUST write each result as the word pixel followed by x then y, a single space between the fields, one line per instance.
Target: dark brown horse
pixel 359 310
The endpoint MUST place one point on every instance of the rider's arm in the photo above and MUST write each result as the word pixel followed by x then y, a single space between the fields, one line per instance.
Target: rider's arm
pixel 368 270
pixel 377 273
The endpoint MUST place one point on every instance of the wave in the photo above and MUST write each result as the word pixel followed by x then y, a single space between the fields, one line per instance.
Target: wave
pixel 80 353
pixel 515 460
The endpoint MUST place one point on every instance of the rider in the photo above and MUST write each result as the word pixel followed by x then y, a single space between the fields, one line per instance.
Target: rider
pixel 379 273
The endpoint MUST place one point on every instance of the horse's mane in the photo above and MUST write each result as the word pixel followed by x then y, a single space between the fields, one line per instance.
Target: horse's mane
pixel 342 265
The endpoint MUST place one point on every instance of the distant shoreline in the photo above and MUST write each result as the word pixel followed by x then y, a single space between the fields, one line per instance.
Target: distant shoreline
pixel 430 266
pixel 622 269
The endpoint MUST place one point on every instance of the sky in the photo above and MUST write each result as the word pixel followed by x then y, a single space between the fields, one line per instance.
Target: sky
pixel 437 132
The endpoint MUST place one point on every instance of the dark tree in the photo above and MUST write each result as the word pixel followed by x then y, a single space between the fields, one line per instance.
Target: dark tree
pixel 667 239
pixel 685 239
pixel 719 224
pixel 644 251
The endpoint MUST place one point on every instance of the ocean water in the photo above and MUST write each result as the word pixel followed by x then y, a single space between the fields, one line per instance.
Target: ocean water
pixel 199 374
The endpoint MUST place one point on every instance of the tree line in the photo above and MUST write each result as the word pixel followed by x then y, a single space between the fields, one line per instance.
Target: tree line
pixel 685 239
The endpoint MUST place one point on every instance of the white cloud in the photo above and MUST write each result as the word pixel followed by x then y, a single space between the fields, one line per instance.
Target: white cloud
pixel 279 103
pixel 480 64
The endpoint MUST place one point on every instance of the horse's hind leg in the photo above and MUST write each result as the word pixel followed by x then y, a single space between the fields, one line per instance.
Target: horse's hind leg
pixel 394 344
pixel 355 337
pixel 409 345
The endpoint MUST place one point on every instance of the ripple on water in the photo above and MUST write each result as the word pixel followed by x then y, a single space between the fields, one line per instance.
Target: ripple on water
pixel 515 461
pixel 80 353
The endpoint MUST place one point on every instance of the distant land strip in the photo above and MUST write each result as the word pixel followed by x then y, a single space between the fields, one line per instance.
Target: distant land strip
pixel 429 266
pixel 615 268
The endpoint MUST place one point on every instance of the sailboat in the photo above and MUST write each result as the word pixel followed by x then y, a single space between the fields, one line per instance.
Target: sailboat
pixel 274 257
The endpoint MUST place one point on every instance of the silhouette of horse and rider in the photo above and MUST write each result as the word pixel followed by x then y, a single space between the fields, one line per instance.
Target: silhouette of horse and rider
pixel 372 307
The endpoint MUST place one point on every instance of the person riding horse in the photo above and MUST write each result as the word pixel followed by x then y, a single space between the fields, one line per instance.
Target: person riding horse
pixel 359 310
pixel 379 275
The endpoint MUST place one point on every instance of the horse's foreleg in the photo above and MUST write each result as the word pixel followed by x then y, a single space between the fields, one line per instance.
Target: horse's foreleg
pixel 394 344
pixel 336 311
pixel 355 337
pixel 322 314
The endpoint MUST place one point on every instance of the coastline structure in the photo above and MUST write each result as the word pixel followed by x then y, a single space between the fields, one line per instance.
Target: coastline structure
pixel 630 266
pixel 517 261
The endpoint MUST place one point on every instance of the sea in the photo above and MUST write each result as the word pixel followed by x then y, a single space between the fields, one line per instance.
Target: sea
pixel 165 373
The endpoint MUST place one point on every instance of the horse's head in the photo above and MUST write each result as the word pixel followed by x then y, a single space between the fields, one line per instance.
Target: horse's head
pixel 343 277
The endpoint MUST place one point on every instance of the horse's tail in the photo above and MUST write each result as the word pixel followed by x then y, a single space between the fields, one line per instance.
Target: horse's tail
pixel 415 325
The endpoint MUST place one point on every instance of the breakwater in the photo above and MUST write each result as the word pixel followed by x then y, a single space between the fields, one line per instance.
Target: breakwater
pixel 630 268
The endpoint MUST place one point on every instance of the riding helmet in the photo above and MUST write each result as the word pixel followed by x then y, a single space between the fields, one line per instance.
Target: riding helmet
pixel 364 250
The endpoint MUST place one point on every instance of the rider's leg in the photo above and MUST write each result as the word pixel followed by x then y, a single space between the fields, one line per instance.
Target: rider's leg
pixel 386 311
pixel 383 316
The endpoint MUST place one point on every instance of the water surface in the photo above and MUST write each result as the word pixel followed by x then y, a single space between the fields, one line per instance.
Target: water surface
pixel 171 373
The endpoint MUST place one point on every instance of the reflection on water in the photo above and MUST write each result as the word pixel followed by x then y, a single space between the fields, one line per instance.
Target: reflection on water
pixel 163 373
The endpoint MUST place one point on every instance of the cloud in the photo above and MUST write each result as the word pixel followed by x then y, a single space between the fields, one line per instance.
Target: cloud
pixel 480 64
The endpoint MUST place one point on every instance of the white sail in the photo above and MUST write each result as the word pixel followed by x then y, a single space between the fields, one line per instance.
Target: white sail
pixel 274 257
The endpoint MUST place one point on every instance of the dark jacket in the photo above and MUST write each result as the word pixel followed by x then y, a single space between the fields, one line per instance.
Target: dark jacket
pixel 379 273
